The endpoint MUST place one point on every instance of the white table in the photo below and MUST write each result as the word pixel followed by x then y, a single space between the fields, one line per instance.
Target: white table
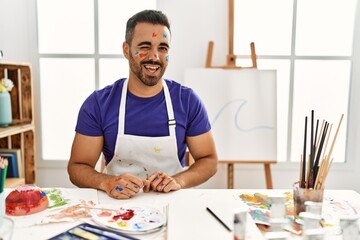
pixel 188 218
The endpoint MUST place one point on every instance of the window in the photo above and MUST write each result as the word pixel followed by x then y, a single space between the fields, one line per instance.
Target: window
pixel 310 45
pixel 80 50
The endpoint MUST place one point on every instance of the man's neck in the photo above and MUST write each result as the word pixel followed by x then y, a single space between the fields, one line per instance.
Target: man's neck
pixel 138 88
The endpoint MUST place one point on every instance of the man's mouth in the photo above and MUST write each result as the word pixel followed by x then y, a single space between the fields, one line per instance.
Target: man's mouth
pixel 151 68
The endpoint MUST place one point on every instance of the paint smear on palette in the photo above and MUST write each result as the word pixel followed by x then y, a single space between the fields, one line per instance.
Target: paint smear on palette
pixel 260 216
pixel 71 213
pixel 259 210
pixel 129 219
pixel 258 200
pixel 56 198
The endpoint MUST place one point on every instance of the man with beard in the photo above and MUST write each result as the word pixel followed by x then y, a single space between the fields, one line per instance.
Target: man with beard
pixel 143 124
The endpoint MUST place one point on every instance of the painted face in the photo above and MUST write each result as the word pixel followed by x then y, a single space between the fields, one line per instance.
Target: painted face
pixel 148 53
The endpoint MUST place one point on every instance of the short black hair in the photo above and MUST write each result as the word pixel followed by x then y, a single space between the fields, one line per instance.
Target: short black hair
pixel 145 16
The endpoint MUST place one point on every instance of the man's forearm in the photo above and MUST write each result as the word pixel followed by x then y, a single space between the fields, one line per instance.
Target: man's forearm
pixel 198 173
pixel 85 176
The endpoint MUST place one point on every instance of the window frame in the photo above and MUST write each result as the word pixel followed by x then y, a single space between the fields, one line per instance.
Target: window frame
pixel 348 162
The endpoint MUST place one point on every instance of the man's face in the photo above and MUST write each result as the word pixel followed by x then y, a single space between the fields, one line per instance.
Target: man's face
pixel 148 54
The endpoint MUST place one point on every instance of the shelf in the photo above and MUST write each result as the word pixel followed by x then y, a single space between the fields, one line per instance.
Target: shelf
pixel 20 134
pixel 15 129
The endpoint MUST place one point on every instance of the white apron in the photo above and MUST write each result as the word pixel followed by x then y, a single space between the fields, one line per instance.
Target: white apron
pixel 141 156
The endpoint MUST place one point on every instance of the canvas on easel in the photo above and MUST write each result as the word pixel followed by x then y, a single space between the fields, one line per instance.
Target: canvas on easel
pixel 241 102
pixel 241 105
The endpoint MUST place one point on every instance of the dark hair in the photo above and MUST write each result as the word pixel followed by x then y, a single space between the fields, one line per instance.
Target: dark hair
pixel 145 16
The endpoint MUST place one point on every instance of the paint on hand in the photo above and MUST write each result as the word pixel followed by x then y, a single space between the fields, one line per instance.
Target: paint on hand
pixel 119 188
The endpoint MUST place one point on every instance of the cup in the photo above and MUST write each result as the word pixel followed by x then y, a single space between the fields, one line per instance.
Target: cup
pixel 302 195
pixel 6 228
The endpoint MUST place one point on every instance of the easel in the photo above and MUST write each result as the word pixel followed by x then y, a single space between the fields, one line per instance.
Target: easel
pixel 231 64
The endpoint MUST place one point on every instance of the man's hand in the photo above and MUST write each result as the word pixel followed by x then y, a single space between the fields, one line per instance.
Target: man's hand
pixel 124 186
pixel 161 182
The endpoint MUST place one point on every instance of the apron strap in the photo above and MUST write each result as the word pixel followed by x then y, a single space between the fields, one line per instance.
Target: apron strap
pixel 170 110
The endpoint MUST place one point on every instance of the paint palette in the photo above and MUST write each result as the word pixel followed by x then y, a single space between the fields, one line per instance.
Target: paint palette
pixel 129 219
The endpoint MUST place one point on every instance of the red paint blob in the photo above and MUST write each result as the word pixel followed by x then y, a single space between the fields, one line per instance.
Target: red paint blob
pixel 26 199
pixel 124 216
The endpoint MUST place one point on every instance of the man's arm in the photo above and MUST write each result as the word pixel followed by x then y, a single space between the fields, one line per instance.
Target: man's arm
pixel 202 148
pixel 85 153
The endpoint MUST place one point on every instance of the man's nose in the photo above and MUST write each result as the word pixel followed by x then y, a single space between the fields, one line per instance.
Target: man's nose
pixel 154 55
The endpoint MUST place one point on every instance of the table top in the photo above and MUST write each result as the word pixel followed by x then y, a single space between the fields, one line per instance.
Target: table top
pixel 187 215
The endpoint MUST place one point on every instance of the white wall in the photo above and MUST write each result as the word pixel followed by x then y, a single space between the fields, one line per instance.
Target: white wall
pixel 194 23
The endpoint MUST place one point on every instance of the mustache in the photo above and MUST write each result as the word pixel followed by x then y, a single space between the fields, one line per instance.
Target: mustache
pixel 151 62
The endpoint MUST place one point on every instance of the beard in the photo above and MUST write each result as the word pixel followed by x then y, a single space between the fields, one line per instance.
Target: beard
pixel 138 70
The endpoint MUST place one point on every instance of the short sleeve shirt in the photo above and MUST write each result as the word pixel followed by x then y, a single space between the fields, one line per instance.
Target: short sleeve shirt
pixel 99 116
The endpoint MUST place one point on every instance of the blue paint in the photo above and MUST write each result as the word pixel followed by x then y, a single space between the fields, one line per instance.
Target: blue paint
pixel 119 188
pixel 137 226
pixel 242 103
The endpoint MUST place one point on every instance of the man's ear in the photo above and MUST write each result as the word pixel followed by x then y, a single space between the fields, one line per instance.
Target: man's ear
pixel 126 49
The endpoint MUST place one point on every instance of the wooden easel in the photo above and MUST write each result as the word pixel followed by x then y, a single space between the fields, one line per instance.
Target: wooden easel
pixel 231 64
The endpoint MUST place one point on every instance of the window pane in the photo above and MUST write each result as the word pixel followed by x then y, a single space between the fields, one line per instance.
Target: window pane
pixel 65 83
pixel 282 81
pixel 66 26
pixel 325 27
pixel 113 15
pixel 322 86
pixel 266 23
pixel 112 70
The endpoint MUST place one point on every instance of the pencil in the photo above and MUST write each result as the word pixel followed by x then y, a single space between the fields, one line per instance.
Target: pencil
pixel 217 218
pixel 3 169
pixel 303 167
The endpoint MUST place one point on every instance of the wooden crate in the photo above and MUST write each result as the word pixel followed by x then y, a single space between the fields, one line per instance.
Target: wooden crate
pixel 21 132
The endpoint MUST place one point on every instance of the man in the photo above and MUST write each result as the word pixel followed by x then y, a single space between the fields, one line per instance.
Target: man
pixel 143 124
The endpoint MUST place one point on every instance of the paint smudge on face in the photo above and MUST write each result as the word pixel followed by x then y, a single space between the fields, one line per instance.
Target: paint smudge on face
pixel 154 34
pixel 167 58
pixel 164 35
pixel 140 55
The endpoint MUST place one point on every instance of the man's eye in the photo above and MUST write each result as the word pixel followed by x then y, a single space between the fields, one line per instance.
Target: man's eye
pixel 164 49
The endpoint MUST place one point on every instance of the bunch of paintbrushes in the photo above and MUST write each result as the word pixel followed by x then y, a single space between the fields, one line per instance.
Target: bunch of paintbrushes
pixel 3 171
pixel 315 165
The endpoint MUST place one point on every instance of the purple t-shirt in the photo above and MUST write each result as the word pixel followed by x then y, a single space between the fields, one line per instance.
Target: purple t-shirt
pixel 99 116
